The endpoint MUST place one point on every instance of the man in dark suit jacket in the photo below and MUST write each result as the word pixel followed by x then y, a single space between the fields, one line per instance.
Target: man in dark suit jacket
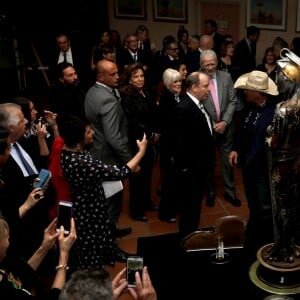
pixel 193 150
pixel 73 53
pixel 205 43
pixel 132 53
pixel 244 57
pixel 27 222
pixel 251 152
pixel 104 110
pixel 222 116
pixel 66 95
pixel 211 28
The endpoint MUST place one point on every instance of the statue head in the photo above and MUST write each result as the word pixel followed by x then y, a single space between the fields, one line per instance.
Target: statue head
pixel 288 77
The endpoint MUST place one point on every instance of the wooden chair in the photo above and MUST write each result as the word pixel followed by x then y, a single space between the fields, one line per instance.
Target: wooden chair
pixel 199 240
pixel 232 230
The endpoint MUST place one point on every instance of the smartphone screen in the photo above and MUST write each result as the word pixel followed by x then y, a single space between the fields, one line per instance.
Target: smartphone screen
pixel 134 264
pixel 64 216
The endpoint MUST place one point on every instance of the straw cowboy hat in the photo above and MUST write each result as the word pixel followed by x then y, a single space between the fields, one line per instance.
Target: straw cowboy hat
pixel 257 81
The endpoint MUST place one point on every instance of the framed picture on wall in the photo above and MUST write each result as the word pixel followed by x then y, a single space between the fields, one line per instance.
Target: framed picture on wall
pixel 267 14
pixel 170 11
pixel 130 9
pixel 298 18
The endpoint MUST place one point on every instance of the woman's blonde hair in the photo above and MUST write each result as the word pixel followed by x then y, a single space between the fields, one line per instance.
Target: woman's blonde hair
pixel 170 76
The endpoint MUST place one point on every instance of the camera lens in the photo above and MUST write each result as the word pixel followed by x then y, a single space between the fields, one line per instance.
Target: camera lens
pixel 37 196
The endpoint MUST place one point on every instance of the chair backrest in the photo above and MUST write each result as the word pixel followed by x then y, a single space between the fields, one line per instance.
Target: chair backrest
pixel 232 230
pixel 199 240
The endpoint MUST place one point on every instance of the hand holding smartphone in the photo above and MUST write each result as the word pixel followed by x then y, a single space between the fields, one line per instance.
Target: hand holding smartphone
pixel 64 216
pixel 134 264
pixel 44 178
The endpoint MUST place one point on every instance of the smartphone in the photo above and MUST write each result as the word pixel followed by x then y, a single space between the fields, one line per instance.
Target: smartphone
pixel 134 264
pixel 64 216
pixel 44 177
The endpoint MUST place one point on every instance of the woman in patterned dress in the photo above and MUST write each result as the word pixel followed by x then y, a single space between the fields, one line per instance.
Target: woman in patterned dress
pixel 84 173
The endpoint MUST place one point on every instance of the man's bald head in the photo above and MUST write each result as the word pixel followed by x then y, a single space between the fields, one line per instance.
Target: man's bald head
pixel 107 73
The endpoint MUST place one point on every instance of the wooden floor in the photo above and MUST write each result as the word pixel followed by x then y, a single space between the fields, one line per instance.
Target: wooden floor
pixel 155 227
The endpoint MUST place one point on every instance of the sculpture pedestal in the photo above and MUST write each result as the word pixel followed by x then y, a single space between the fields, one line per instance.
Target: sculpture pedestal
pixel 280 278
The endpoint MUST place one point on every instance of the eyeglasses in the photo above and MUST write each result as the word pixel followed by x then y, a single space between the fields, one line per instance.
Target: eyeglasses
pixel 174 49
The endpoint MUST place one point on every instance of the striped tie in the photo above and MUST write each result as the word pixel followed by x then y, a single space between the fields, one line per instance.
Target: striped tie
pixel 25 163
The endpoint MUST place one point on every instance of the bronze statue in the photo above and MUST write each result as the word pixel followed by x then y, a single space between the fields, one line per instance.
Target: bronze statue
pixel 283 144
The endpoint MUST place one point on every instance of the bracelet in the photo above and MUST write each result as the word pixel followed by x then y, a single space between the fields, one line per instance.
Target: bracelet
pixel 62 267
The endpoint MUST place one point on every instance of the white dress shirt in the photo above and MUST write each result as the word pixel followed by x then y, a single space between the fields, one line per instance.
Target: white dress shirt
pixel 69 57
pixel 14 154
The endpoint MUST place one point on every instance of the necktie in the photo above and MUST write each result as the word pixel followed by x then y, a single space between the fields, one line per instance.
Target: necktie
pixel 25 163
pixel 200 105
pixel 116 93
pixel 65 57
pixel 215 98
pixel 135 57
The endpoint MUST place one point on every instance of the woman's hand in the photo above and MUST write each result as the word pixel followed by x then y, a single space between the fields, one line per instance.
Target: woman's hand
pixel 50 117
pixel 41 130
pixel 144 289
pixel 50 235
pixel 142 144
pixel 34 197
pixel 66 241
pixel 119 284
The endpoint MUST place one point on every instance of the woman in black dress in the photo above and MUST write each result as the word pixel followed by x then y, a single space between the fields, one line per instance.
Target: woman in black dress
pixel 85 174
pixel 141 112
pixel 170 97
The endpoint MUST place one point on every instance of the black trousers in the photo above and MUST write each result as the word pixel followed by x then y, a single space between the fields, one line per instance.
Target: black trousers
pixel 192 185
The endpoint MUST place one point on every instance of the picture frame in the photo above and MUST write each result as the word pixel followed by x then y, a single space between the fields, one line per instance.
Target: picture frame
pixel 130 9
pixel 298 18
pixel 170 11
pixel 267 14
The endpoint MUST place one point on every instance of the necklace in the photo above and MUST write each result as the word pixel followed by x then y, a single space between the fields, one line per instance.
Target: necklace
pixel 15 282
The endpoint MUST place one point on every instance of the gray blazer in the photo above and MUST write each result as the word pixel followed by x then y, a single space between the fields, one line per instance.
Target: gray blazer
pixel 105 112
pixel 226 96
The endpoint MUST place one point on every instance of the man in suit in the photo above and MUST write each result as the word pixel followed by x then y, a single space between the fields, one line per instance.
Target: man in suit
pixel 132 53
pixel 66 95
pixel 244 58
pixel 221 113
pixel 74 54
pixel 144 43
pixel 19 173
pixel 104 110
pixel 169 59
pixel 193 150
pixel 211 28
pixel 205 43
pixel 244 61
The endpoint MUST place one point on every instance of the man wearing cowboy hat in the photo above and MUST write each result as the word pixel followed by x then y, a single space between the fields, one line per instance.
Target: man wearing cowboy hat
pixel 250 152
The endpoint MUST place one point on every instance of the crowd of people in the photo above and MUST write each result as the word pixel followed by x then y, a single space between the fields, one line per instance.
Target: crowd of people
pixel 199 101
